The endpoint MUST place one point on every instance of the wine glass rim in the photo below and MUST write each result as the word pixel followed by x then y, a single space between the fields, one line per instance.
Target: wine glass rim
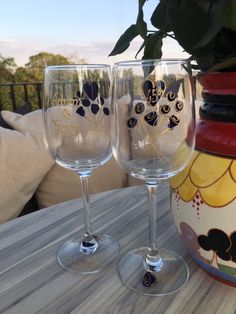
pixel 148 62
pixel 80 66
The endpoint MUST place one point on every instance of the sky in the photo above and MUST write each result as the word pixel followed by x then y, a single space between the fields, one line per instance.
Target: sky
pixel 79 29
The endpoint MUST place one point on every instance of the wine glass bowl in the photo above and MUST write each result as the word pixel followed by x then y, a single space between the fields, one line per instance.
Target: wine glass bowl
pixel 76 115
pixel 153 139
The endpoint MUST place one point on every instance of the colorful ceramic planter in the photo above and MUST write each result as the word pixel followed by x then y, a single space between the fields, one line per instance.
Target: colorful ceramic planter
pixel 204 194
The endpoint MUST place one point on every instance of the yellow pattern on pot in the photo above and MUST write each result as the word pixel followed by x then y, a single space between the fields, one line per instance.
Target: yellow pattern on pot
pixel 207 175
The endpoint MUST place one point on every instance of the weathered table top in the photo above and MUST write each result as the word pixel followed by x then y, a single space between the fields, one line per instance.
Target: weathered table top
pixel 31 280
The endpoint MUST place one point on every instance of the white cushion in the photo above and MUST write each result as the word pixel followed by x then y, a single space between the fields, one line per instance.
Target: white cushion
pixel 24 161
pixel 60 184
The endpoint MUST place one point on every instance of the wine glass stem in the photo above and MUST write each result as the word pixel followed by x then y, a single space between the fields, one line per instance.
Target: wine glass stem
pixel 84 179
pixel 153 259
pixel 89 243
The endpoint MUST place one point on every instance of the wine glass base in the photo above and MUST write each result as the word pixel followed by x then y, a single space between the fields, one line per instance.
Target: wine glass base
pixel 133 271
pixel 71 258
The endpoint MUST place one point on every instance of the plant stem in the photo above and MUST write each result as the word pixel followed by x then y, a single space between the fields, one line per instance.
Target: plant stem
pixel 171 36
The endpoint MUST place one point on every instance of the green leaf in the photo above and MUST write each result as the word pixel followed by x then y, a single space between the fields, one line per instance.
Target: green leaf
pixel 141 3
pixel 195 4
pixel 160 17
pixel 153 45
pixel 140 48
pixel 141 25
pixel 189 26
pixel 215 26
pixel 206 59
pixel 204 4
pixel 228 14
pixel 124 40
pixel 224 47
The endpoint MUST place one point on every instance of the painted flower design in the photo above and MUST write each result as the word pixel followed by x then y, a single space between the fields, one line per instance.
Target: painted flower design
pixel 90 101
pixel 150 110
pixel 204 177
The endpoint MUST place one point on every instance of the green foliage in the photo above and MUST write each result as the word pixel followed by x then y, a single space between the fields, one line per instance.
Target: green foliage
pixel 141 25
pixel 124 41
pixel 37 63
pixel 32 72
pixel 7 67
pixel 206 29
pixel 153 45
pixel 228 15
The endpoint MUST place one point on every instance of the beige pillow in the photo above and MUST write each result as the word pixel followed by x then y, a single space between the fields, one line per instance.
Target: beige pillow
pixel 60 184
pixel 24 161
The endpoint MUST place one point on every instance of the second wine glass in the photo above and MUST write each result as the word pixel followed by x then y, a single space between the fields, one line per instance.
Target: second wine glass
pixel 153 139
pixel 76 115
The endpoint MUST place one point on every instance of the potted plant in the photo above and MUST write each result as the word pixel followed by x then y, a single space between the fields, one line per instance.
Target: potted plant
pixel 204 194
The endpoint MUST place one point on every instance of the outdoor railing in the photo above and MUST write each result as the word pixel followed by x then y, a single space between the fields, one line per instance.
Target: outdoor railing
pixel 15 95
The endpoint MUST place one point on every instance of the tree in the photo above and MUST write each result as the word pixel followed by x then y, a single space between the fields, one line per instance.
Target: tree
pixel 7 69
pixel 32 72
pixel 36 64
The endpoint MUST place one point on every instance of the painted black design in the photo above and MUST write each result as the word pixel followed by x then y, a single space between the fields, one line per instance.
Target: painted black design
pixel 131 123
pixel 81 111
pixel 94 108
pixel 171 96
pixel 139 107
pixel 149 279
pixel 151 110
pixel 164 109
pixel 86 102
pixel 91 90
pixel 232 250
pixel 153 91
pixel 106 111
pixel 101 101
pixel 218 241
pixel 151 118
pixel 173 122
pixel 90 101
pixel 179 105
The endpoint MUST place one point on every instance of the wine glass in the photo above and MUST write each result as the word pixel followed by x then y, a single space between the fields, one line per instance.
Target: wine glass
pixel 153 139
pixel 76 115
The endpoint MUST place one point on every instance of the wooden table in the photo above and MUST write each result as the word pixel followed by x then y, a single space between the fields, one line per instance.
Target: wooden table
pixel 31 280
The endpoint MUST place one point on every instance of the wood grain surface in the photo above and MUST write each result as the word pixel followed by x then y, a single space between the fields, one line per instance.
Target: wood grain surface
pixel 31 280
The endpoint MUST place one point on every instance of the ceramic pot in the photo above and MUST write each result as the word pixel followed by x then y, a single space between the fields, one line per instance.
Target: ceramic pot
pixel 204 194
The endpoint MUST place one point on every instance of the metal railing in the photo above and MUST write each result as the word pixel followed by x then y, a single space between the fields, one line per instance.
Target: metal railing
pixel 16 94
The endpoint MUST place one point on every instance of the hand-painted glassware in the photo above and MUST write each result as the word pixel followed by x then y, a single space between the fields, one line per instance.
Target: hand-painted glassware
pixel 153 137
pixel 76 115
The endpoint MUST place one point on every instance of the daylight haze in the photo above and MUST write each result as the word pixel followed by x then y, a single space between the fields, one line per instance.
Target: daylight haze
pixel 77 29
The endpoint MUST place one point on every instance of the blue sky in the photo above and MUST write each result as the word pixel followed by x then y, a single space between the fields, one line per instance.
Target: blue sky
pixel 75 28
